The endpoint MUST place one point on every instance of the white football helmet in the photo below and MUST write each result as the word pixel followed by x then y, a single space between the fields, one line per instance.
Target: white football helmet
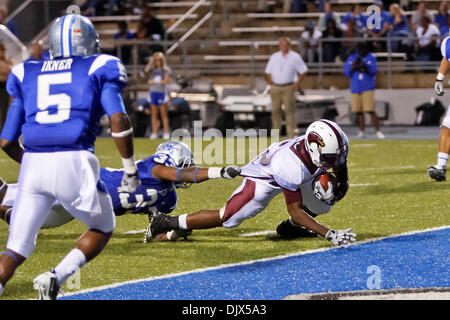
pixel 326 143
pixel 177 154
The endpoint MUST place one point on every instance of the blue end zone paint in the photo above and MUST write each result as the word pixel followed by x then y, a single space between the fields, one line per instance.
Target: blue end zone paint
pixel 408 261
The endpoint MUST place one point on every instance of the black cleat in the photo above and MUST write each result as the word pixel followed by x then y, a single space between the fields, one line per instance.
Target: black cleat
pixel 162 223
pixel 436 173
pixel 288 231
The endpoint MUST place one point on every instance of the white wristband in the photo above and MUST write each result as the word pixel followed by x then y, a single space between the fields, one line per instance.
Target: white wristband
pixel 129 165
pixel 440 77
pixel 214 173
pixel 122 134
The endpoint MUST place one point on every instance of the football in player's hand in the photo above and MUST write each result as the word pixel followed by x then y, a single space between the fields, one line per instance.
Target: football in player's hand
pixel 324 187
pixel 325 178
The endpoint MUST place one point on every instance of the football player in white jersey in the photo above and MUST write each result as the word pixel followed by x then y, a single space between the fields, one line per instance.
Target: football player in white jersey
pixel 289 167
pixel 438 171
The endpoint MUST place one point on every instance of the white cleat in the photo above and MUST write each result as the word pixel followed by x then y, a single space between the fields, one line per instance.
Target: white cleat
pixel 166 136
pixel 380 135
pixel 46 285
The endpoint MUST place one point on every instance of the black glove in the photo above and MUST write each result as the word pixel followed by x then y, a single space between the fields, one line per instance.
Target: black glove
pixel 230 172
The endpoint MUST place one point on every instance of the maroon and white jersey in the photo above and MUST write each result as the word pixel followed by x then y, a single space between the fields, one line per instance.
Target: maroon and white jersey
pixel 285 164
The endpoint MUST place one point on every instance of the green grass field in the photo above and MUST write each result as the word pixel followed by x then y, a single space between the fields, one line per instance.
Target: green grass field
pixel 390 193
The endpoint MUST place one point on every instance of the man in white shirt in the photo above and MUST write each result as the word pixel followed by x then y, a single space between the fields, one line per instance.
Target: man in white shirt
pixel 285 73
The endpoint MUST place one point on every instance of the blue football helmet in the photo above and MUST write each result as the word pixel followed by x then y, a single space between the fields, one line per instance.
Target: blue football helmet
pixel 73 35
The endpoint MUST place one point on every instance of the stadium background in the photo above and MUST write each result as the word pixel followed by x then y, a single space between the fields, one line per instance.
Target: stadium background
pixel 226 47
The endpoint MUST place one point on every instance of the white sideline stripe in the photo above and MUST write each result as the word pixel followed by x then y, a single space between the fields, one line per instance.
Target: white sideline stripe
pixel 133 231
pixel 364 145
pixel 300 253
pixel 383 169
pixel 260 233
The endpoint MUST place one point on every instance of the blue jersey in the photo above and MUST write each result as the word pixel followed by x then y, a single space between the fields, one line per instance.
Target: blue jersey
pixel 58 103
pixel 152 193
pixel 361 82
pixel 445 48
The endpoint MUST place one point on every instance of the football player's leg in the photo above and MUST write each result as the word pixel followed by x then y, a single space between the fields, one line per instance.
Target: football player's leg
pixel 91 243
pixel 246 202
pixel 78 193
pixel 8 194
pixel 29 213
pixel 438 171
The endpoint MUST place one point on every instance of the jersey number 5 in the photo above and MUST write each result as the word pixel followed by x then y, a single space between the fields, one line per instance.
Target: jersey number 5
pixel 62 101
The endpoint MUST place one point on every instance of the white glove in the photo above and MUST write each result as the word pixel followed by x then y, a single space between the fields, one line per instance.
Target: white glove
pixel 322 195
pixel 439 87
pixel 341 237
pixel 129 183
pixel 230 172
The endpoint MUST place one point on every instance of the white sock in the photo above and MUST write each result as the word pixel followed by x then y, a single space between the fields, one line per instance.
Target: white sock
pixel 442 159
pixel 69 265
pixel 1 289
pixel 182 221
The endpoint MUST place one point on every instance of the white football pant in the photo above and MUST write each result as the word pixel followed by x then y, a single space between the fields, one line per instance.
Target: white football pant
pixel 253 196
pixel 69 178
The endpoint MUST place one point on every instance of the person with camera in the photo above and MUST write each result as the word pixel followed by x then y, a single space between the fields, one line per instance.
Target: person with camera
pixel 361 68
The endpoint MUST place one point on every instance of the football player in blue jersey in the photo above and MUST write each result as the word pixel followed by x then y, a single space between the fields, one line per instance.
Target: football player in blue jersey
pixel 439 170
pixel 57 108
pixel 171 167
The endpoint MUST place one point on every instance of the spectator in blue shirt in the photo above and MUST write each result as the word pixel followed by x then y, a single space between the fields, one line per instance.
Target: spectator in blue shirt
pixel 440 19
pixel 353 18
pixel 399 25
pixel 377 30
pixel 361 68
pixel 124 33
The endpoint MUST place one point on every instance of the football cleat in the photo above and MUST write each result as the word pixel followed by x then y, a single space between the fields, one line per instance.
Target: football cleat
pixel 436 173
pixel 288 231
pixel 46 285
pixel 162 223
pixel 178 233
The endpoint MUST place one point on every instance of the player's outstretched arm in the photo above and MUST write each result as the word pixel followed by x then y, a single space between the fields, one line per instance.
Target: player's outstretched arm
pixel 300 217
pixel 194 174
pixel 443 69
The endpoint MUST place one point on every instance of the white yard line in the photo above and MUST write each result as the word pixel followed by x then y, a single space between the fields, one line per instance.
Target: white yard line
pixel 260 233
pixel 362 184
pixel 172 275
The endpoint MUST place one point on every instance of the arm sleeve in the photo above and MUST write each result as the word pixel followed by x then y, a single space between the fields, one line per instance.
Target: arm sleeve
pixel 13 83
pixel 14 121
pixel 348 67
pixel 301 66
pixel 111 99
pixel 445 48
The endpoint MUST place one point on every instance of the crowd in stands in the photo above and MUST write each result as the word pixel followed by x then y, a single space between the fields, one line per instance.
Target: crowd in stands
pixel 417 34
